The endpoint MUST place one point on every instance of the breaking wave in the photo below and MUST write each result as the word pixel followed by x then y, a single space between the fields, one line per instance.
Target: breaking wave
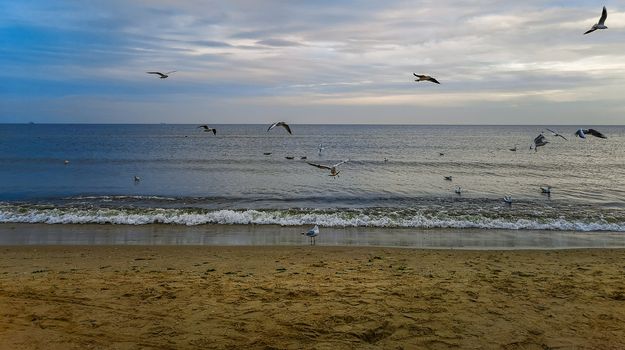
pixel 370 217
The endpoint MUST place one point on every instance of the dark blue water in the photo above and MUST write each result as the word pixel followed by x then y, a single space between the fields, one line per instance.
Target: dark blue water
pixel 192 177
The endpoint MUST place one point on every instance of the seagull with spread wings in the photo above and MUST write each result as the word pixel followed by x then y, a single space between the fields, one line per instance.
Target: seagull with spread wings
pixel 425 78
pixel 539 141
pixel 162 75
pixel 581 133
pixel 282 124
pixel 332 168
pixel 601 24
pixel 207 129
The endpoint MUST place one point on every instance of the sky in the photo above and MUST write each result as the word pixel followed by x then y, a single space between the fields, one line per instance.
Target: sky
pixel 322 61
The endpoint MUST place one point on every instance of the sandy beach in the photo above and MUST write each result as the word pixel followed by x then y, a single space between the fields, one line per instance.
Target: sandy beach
pixel 194 297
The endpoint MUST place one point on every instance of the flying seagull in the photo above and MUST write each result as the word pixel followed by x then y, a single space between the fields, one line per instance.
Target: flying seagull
pixel 581 133
pixel 207 129
pixel 601 24
pixel 332 168
pixel 556 134
pixel 282 124
pixel 162 75
pixel 425 78
pixel 539 141
pixel 312 233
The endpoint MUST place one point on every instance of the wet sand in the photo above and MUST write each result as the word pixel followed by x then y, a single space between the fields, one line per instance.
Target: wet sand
pixel 211 297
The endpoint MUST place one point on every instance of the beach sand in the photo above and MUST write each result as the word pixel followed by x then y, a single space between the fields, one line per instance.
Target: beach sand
pixel 198 297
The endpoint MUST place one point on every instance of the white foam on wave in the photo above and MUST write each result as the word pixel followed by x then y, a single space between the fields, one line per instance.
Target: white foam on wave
pixel 10 214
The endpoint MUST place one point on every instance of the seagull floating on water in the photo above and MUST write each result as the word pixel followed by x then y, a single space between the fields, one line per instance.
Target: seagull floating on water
pixel 282 124
pixel 513 149
pixel 425 78
pixel 556 134
pixel 508 200
pixel 601 24
pixel 332 168
pixel 66 162
pixel 162 75
pixel 303 157
pixel 448 178
pixel 458 190
pixel 289 157
pixel 137 179
pixel 581 133
pixel 312 233
pixel 267 153
pixel 207 129
pixel 546 190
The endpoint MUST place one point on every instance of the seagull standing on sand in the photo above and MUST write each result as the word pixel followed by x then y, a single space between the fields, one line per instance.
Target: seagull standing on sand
pixel 425 78
pixel 539 141
pixel 458 190
pixel 581 133
pixel 207 129
pixel 312 233
pixel 282 124
pixel 556 134
pixel 601 24
pixel 333 171
pixel 321 148
pixel 162 75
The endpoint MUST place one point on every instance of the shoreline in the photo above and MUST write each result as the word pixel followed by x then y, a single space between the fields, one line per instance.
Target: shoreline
pixel 274 235
pixel 285 297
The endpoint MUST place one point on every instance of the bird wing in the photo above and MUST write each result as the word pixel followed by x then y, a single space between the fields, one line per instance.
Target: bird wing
pixel 580 133
pixel 339 163
pixel 562 137
pixel 272 126
pixel 320 166
pixel 595 133
pixel 203 126
pixel 286 126
pixel 551 131
pixel 539 139
pixel 433 80
pixel 173 71
pixel 590 31
pixel 604 15
pixel 159 73
pixel 214 131
pixel 417 75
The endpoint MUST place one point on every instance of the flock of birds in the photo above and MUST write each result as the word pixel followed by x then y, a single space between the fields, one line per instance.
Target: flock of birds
pixel 539 141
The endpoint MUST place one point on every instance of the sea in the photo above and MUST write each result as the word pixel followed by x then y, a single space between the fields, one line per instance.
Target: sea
pixel 394 176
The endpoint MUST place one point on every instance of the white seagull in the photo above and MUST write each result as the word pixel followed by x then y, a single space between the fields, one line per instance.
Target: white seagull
pixel 332 168
pixel 162 75
pixel 539 141
pixel 508 200
pixel 458 190
pixel 601 24
pixel 207 129
pixel 312 233
pixel 321 148
pixel 282 124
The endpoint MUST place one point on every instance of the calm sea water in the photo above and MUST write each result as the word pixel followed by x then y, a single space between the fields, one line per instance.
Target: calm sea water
pixel 192 177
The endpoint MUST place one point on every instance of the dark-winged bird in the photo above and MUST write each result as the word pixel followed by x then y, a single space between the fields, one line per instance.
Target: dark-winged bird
pixel 161 75
pixel 282 124
pixel 601 24
pixel 581 133
pixel 425 78
pixel 207 129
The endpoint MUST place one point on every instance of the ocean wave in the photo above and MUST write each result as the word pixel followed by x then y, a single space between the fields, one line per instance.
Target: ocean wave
pixel 383 218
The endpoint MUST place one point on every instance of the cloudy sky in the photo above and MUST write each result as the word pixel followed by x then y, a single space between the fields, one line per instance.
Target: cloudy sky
pixel 322 61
